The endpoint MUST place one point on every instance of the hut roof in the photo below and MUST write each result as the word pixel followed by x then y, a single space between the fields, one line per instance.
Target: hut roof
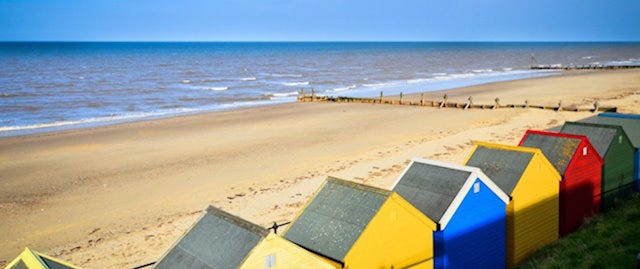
pixel 503 164
pixel 559 149
pixel 438 188
pixel 600 135
pixel 629 122
pixel 35 260
pixel 217 240
pixel 335 217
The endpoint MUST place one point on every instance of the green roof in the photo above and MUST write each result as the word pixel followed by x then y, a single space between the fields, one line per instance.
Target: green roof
pixel 431 188
pixel 217 240
pixel 333 221
pixel 559 150
pixel 504 167
pixel 599 135
pixel 630 125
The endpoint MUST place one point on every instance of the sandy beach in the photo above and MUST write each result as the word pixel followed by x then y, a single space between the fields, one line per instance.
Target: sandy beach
pixel 119 196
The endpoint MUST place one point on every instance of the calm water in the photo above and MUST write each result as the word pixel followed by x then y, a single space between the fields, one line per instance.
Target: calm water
pixel 52 86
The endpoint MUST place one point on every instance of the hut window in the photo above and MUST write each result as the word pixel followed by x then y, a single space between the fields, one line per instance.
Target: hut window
pixel 270 261
pixel 584 151
pixel 476 187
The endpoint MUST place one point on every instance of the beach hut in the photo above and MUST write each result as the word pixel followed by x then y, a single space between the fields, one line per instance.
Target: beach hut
pixel 616 150
pixel 30 259
pixel 530 180
pixel 468 208
pixel 630 123
pixel 361 226
pixel 221 240
pixel 581 169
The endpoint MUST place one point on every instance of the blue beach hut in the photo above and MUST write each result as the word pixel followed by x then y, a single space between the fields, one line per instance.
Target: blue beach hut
pixel 468 208
pixel 630 123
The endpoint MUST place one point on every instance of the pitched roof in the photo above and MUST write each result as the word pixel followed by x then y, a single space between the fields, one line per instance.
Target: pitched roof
pixel 336 216
pixel 438 188
pixel 629 122
pixel 30 259
pixel 558 149
pixel 503 164
pixel 217 240
pixel 430 188
pixel 600 135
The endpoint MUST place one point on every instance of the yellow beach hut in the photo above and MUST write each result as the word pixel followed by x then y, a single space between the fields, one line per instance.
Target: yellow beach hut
pixel 531 181
pixel 360 226
pixel 221 240
pixel 30 259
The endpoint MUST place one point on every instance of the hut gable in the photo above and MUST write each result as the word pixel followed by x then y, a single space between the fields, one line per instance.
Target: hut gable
pixel 533 184
pixel 336 217
pixel 35 260
pixel 207 244
pixel 600 136
pixel 437 189
pixel 359 226
pixel 503 165
pixel 558 149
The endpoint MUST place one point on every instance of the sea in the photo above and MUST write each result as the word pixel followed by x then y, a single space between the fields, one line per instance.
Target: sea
pixel 51 86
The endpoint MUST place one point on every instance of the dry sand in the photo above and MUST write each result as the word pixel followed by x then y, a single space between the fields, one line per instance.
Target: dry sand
pixel 119 196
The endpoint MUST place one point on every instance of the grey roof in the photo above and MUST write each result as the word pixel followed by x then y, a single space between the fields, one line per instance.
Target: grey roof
pixel 431 188
pixel 630 125
pixel 51 264
pixel 336 217
pixel 504 167
pixel 19 265
pixel 559 150
pixel 599 135
pixel 217 240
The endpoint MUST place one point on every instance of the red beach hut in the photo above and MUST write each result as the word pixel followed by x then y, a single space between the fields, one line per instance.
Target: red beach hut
pixel 580 166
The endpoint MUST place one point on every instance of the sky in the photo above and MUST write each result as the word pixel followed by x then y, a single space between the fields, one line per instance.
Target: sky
pixel 320 20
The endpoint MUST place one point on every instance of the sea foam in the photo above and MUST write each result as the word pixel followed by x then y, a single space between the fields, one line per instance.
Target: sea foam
pixel 293 84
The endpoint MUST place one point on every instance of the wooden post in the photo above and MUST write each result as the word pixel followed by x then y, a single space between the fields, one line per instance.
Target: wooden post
pixel 596 105
pixel 422 99
pixel 526 103
pixel 469 102
pixel 401 98
pixel 381 97
pixel 313 94
pixel 559 106
pixel 301 94
pixel 444 101
pixel 497 103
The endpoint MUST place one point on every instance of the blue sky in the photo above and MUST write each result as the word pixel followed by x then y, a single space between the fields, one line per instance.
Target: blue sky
pixel 320 20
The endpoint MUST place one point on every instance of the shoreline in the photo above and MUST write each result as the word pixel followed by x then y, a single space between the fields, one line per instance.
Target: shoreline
pixel 82 126
pixel 87 123
pixel 120 195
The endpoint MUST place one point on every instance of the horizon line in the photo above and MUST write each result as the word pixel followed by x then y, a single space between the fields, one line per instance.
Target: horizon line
pixel 322 41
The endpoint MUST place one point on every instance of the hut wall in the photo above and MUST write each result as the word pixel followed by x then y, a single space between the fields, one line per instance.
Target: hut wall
pixel 617 172
pixel 398 236
pixel 580 189
pixel 636 168
pixel 475 236
pixel 533 214
pixel 276 252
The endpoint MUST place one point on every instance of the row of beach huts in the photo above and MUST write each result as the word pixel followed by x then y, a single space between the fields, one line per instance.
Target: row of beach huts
pixel 502 205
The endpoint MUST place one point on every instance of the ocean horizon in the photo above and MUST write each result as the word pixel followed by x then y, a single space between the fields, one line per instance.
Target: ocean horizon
pixel 50 86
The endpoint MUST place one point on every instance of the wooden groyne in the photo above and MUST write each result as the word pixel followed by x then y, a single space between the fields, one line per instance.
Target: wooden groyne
pixel 582 67
pixel 535 66
pixel 444 103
